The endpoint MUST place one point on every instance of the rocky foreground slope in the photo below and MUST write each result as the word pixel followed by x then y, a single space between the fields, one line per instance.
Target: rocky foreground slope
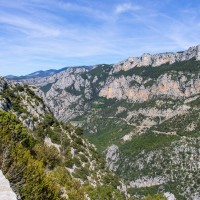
pixel 142 114
pixel 45 159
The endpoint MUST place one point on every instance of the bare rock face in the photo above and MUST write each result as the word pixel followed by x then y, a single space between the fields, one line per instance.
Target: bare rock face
pixel 67 90
pixel 147 182
pixel 120 88
pixel 169 196
pixel 157 59
pixel 6 193
pixel 112 156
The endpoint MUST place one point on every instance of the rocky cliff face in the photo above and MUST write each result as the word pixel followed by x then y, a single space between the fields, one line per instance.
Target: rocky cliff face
pixel 112 156
pixel 157 59
pixel 165 85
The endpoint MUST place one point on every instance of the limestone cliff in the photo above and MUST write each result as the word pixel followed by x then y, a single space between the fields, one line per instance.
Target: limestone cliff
pixel 157 59
pixel 165 85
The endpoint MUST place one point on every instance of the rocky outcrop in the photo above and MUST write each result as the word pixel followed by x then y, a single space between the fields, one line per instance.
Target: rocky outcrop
pixel 3 84
pixel 63 90
pixel 4 105
pixel 157 59
pixel 112 157
pixel 169 196
pixel 146 182
pixel 6 193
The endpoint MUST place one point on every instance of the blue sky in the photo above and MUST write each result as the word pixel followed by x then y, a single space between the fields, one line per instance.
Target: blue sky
pixel 44 34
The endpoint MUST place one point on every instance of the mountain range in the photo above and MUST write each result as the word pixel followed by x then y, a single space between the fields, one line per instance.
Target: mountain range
pixel 142 114
pixel 42 73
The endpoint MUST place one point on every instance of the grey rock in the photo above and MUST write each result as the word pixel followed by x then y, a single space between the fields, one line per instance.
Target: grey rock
pixel 112 156
pixel 169 196
pixel 4 105
pixel 6 193
pixel 157 59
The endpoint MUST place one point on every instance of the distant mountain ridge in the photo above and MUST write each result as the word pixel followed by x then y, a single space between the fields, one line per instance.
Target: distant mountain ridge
pixel 42 73
pixel 146 59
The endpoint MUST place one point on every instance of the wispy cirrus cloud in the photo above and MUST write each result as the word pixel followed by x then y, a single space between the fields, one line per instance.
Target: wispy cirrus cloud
pixel 126 7
pixel 28 27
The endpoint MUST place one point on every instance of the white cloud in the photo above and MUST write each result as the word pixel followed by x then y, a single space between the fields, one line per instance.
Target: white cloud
pixel 29 27
pixel 126 7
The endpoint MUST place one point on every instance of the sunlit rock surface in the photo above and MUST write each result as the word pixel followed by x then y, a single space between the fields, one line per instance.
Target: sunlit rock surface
pixel 6 193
